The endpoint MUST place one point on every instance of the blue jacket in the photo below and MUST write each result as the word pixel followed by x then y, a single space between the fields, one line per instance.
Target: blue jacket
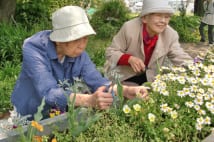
pixel 41 72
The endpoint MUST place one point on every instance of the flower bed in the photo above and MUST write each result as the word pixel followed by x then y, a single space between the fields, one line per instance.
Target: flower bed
pixel 181 104
pixel 9 134
pixel 180 108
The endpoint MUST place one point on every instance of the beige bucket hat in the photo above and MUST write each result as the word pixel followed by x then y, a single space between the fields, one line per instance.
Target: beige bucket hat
pixel 156 6
pixel 70 23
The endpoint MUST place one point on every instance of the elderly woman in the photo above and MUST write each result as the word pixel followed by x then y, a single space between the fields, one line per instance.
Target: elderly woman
pixel 53 56
pixel 143 43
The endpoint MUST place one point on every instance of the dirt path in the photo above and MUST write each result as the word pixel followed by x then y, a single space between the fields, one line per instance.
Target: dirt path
pixel 195 49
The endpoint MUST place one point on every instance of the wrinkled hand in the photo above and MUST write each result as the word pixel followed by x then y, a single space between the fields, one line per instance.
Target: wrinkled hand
pixel 136 64
pixel 137 91
pixel 101 99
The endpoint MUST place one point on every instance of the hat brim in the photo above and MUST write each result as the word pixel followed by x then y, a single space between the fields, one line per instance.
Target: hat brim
pixel 158 10
pixel 72 33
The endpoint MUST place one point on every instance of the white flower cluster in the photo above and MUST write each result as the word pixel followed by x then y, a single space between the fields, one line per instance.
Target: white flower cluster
pixel 198 89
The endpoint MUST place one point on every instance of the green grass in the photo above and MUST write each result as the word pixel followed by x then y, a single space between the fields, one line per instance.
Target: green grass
pixel 109 128
pixel 96 50
pixel 8 76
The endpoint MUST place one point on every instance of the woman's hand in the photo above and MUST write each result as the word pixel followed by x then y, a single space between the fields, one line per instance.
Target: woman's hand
pixel 136 64
pixel 102 99
pixel 131 92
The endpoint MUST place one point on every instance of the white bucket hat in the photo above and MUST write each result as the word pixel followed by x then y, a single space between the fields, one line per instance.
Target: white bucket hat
pixel 70 23
pixel 156 6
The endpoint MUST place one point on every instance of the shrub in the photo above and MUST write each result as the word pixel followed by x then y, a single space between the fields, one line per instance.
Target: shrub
pixel 109 18
pixel 96 50
pixel 13 38
pixel 11 43
pixel 29 12
pixel 187 27
pixel 106 30
pixel 8 75
pixel 34 11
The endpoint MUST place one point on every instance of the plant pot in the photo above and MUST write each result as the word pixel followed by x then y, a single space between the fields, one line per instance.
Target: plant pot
pixel 210 138
pixel 58 123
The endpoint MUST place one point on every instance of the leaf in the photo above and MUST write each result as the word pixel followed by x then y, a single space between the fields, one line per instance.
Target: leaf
pixel 38 116
pixel 120 93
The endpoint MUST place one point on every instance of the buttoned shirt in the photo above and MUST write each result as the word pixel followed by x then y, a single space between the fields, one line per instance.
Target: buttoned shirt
pixel 41 73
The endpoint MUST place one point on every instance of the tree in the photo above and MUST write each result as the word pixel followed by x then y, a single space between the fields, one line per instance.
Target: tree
pixel 7 9
pixel 198 8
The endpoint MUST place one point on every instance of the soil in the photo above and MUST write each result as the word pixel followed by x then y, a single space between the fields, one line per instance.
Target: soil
pixel 4 115
pixel 195 49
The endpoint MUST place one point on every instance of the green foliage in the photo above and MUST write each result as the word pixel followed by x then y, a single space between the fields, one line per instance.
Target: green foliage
pixel 109 127
pixel 109 18
pixel 34 126
pixel 38 116
pixel 32 11
pixel 82 4
pixel 8 76
pixel 96 49
pixel 120 93
pixel 119 98
pixel 180 104
pixel 79 119
pixel 208 56
pixel 56 4
pixel 187 27
pixel 96 3
pixel 29 12
pixel 106 30
pixel 11 41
